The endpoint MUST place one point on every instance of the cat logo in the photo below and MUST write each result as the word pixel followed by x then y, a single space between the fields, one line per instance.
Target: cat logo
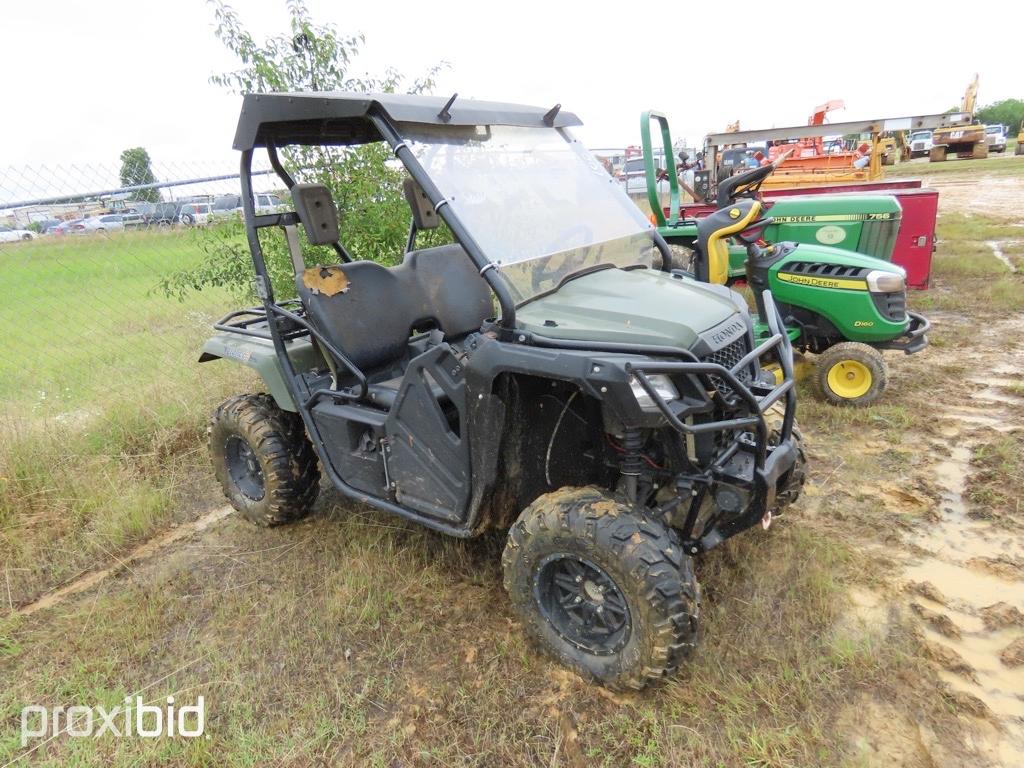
pixel 863 323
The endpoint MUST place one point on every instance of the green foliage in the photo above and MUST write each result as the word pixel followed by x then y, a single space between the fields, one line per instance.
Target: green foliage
pixel 136 169
pixel 375 216
pixel 1008 112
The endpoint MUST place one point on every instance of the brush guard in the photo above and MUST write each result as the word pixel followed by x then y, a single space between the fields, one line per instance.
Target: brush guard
pixel 746 404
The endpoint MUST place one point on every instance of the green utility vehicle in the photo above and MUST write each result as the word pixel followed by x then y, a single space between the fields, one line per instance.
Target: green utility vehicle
pixel 843 306
pixel 537 375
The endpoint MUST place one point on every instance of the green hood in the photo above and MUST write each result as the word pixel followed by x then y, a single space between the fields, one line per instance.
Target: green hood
pixel 828 254
pixel 637 306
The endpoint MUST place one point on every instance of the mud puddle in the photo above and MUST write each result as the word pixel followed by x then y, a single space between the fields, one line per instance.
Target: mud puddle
pixel 144 551
pixel 967 569
pixel 996 247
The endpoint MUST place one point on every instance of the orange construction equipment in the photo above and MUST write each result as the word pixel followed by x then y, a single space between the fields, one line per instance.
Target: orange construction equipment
pixel 815 161
pixel 811 159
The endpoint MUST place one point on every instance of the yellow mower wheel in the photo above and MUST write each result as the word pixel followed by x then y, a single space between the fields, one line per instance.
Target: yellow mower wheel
pixel 851 374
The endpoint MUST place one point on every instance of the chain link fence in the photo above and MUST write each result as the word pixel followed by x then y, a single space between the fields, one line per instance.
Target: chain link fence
pixel 87 321
pixel 102 399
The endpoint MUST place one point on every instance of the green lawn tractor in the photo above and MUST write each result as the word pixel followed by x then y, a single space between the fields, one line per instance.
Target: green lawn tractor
pixel 845 307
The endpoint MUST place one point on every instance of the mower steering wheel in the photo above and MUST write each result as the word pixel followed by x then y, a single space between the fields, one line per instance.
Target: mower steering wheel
pixel 747 184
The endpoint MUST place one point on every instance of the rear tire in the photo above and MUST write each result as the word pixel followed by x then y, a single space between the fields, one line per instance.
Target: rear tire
pixel 851 374
pixel 602 588
pixel 263 460
pixel 937 154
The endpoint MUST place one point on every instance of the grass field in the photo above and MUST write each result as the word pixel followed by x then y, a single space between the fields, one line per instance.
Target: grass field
pixel 103 403
pixel 1006 164
pixel 353 638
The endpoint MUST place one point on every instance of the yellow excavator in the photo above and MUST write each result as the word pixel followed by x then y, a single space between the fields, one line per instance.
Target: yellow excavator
pixel 966 136
pixel 1020 140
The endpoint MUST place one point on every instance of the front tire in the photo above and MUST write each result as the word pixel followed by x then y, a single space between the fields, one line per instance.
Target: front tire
pixel 602 588
pixel 263 460
pixel 851 374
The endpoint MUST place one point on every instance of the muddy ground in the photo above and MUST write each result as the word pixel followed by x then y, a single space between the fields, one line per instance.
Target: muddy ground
pixel 878 623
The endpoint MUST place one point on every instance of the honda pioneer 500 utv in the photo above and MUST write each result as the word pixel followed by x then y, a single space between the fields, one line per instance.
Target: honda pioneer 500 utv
pixel 539 375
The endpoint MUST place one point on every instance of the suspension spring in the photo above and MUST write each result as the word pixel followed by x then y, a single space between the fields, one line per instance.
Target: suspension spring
pixel 631 461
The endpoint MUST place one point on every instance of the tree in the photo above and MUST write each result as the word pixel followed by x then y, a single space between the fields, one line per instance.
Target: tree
pixel 1008 112
pixel 310 56
pixel 136 169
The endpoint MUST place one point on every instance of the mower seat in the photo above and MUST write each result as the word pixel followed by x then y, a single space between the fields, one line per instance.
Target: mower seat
pixel 713 232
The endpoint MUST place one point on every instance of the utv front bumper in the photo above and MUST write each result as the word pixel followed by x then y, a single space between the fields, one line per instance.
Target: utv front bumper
pixel 914 339
pixel 759 459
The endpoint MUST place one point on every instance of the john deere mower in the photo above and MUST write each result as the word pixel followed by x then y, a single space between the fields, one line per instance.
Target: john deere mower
pixel 842 306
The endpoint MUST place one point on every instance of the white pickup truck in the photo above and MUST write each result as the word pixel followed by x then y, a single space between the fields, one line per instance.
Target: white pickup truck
pixel 920 143
pixel 995 137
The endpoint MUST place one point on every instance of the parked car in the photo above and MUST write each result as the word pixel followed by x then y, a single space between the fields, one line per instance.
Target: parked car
pixel 231 205
pixel 45 225
pixel 163 214
pixel 108 222
pixel 142 208
pixel 995 137
pixel 133 220
pixel 225 206
pixel 920 143
pixel 195 214
pixel 266 203
pixel 9 235
pixel 65 227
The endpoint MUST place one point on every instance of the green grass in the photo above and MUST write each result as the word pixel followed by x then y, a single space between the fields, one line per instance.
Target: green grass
pixel 959 226
pixel 311 647
pixel 83 319
pixel 966 274
pixel 993 165
pixel 995 488
pixel 103 400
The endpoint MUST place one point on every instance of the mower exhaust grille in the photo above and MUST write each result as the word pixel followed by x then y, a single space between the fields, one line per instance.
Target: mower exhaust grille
pixel 825 270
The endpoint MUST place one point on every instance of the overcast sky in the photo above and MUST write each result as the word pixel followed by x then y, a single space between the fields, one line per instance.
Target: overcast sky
pixel 82 81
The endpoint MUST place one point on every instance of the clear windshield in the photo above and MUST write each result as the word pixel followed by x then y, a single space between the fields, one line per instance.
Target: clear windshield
pixel 534 199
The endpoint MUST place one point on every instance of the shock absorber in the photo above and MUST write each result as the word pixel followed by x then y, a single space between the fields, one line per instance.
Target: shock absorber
pixel 631 461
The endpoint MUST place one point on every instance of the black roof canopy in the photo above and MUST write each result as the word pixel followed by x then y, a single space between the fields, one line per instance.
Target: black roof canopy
pixel 341 118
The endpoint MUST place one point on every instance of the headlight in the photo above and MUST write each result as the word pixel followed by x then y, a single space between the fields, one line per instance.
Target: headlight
pixel 880 281
pixel 661 384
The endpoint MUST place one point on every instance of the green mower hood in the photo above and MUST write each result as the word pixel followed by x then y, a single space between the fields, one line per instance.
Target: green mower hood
pixel 637 306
